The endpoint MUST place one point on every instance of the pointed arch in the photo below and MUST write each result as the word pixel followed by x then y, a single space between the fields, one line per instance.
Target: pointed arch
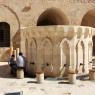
pixel 47 55
pixel 33 50
pixel 65 40
pixel 33 56
pixel 65 56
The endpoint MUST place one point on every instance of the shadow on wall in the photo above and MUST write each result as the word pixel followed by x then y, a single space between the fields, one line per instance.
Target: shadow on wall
pixel 89 19
pixel 16 40
pixel 52 16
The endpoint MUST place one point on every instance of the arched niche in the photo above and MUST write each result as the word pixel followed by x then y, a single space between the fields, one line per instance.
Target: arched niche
pixel 52 16
pixel 33 56
pixel 89 19
pixel 65 57
pixel 33 51
pixel 47 56
pixel 80 57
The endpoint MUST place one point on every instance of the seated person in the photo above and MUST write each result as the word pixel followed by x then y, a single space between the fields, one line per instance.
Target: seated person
pixel 13 64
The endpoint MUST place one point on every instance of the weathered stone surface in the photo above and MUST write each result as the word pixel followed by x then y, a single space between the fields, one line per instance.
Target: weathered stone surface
pixel 35 41
pixel 58 48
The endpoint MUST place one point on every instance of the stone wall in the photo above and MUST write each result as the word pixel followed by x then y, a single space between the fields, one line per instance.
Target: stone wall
pixel 29 12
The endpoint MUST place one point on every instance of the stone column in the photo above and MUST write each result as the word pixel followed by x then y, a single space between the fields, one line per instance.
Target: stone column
pixel 92 74
pixel 86 58
pixel 39 57
pixel 40 77
pixel 72 58
pixel 72 73
pixel 20 73
pixel 72 77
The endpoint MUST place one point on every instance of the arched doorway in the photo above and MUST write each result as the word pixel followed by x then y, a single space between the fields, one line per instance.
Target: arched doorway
pixel 47 56
pixel 4 34
pixel 52 16
pixel 33 56
pixel 80 58
pixel 65 57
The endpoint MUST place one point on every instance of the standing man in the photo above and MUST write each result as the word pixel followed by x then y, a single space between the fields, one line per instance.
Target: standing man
pixel 20 61
pixel 20 65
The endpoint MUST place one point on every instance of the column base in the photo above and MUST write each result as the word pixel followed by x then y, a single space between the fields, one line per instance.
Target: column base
pixel 40 77
pixel 92 74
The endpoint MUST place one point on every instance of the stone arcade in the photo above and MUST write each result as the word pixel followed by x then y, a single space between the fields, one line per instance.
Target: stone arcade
pixel 58 34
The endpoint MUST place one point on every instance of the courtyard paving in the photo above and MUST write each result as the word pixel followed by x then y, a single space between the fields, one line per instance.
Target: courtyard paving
pixel 51 86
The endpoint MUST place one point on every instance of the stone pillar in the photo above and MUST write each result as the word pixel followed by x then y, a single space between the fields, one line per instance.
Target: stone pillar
pixel 92 74
pixel 77 63
pixel 72 77
pixel 39 57
pixel 90 48
pixel 20 73
pixel 40 77
pixel 14 52
pixel 86 58
pixel 72 58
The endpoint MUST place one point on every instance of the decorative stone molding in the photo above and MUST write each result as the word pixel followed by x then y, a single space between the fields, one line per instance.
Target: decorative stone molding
pixel 53 42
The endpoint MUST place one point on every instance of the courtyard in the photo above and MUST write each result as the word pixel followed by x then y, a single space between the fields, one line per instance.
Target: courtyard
pixel 57 37
pixel 50 86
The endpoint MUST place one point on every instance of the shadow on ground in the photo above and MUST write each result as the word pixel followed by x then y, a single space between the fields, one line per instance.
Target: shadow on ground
pixel 32 82
pixel 15 93
pixel 63 82
pixel 84 77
